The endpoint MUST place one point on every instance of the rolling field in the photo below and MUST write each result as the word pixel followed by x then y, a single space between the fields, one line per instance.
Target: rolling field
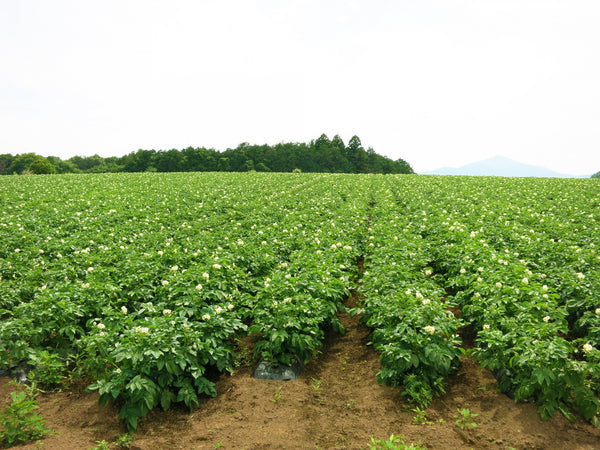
pixel 155 291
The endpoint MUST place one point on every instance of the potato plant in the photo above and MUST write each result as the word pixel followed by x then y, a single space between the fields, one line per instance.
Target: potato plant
pixel 144 282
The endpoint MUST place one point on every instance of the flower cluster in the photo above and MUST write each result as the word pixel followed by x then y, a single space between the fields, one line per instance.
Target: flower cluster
pixel 142 330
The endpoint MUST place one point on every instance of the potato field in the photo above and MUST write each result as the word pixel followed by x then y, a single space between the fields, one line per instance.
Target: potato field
pixel 144 286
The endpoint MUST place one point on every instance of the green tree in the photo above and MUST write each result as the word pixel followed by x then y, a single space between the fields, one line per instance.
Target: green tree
pixel 63 166
pixel 223 165
pixel 139 161
pixel 286 157
pixel 354 153
pixel 322 143
pixel 5 162
pixel 21 162
pixel 596 175
pixel 375 162
pixel 338 143
pixel 42 166
pixel 262 167
pixel 85 163
pixel 320 155
pixel 109 165
pixel 198 160
pixel 354 144
pixel 340 158
pixel 169 161
pixel 238 157
pixel 403 167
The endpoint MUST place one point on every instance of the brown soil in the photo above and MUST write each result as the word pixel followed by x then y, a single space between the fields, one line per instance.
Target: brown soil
pixel 336 403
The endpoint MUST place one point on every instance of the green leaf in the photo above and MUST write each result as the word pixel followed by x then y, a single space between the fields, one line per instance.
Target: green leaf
pixel 166 398
pixel 172 367
pixel 544 377
pixel 154 353
pixel 187 394
pixel 205 386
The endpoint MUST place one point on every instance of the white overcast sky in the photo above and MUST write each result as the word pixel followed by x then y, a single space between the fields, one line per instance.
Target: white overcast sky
pixel 435 82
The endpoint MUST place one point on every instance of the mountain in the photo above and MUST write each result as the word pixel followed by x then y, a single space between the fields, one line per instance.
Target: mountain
pixel 501 167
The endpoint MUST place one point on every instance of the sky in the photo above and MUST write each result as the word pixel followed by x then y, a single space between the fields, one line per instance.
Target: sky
pixel 434 82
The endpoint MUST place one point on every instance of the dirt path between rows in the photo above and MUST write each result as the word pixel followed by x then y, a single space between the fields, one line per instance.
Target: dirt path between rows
pixel 335 403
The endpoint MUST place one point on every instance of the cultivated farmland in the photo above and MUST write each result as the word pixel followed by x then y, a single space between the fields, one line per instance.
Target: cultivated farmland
pixel 152 289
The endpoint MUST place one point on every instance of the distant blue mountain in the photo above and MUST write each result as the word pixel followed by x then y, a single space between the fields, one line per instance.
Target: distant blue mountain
pixel 501 167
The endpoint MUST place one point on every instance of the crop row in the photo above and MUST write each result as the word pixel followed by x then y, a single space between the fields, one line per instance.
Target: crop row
pixel 144 283
pixel 414 328
pixel 526 288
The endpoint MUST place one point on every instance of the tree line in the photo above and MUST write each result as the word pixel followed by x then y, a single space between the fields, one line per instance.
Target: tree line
pixel 320 155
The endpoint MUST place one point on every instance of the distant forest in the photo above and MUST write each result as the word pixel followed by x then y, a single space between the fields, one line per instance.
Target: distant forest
pixel 320 155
